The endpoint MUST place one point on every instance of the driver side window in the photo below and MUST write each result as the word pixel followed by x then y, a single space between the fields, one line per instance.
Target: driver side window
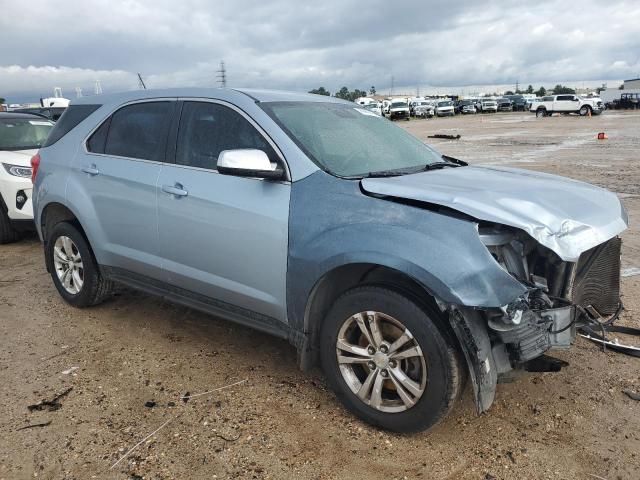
pixel 206 129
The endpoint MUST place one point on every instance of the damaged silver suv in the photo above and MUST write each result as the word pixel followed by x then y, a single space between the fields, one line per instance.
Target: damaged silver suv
pixel 399 270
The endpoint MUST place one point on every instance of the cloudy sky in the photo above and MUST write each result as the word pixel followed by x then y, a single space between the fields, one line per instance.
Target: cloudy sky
pixel 298 45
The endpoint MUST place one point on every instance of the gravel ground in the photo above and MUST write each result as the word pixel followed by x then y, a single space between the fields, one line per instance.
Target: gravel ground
pixel 279 422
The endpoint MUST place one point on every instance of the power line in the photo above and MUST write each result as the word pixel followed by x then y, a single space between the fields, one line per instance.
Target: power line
pixel 222 75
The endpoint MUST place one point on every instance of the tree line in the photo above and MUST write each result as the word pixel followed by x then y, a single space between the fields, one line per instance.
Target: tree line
pixel 347 94
pixel 344 93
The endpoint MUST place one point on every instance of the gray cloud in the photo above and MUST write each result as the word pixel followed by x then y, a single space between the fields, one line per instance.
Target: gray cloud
pixel 296 45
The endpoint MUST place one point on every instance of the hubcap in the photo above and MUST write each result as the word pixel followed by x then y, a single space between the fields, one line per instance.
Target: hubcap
pixel 381 361
pixel 68 265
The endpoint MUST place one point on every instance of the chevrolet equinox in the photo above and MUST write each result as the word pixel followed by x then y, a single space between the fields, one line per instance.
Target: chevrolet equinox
pixel 400 271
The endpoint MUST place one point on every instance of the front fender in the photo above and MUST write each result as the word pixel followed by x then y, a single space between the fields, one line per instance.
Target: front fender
pixel 333 223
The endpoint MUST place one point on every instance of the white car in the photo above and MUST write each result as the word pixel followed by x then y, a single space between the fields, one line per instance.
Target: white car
pixel 398 109
pixel 373 107
pixel 445 108
pixel 489 106
pixel 567 104
pixel 423 109
pixel 20 137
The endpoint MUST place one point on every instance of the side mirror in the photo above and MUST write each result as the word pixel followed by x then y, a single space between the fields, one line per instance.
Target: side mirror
pixel 248 163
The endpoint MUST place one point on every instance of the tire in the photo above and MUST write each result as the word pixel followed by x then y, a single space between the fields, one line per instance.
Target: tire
pixel 393 314
pixel 541 112
pixel 88 287
pixel 7 233
pixel 584 110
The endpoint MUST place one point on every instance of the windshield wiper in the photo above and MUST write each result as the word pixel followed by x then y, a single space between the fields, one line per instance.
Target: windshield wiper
pixel 392 173
pixel 458 162
pixel 450 162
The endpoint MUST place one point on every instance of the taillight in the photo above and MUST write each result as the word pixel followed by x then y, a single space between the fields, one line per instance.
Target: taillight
pixel 35 163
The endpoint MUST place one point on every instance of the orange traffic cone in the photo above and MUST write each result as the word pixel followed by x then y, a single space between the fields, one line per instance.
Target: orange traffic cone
pixel 602 136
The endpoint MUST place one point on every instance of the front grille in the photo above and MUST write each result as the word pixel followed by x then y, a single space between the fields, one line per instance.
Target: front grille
pixel 597 279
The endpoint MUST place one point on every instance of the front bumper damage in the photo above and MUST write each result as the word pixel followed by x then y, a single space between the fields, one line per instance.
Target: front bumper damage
pixel 502 340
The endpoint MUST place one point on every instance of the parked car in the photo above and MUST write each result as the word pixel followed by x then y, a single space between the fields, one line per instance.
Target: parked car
pixel 466 106
pixel 445 108
pixel 51 113
pixel 567 104
pixel 20 136
pixel 398 109
pixel 423 109
pixel 489 105
pixel 392 266
pixel 504 105
pixel 627 101
pixel 518 102
pixel 373 107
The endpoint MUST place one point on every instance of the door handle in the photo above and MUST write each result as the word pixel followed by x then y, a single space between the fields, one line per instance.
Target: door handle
pixel 92 170
pixel 175 190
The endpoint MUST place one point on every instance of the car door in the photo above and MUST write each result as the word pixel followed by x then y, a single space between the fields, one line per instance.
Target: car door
pixel 119 171
pixel 564 103
pixel 221 236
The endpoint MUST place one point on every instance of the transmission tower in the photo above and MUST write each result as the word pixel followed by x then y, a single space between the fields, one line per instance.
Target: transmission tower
pixel 222 75
pixel 97 89
pixel 78 92
pixel 141 84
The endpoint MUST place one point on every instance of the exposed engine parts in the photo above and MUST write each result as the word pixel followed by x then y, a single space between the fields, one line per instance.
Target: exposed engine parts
pixel 558 292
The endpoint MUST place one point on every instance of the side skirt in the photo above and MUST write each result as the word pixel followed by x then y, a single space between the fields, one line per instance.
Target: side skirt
pixel 212 306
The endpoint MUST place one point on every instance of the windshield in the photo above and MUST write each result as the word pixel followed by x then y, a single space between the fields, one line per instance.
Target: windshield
pixel 348 141
pixel 23 133
pixel 399 104
pixel 445 104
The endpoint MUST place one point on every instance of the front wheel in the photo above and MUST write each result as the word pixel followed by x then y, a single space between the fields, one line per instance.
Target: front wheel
pixel 73 268
pixel 584 110
pixel 387 360
pixel 7 233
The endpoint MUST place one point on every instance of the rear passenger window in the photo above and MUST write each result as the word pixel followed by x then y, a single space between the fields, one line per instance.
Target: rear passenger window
pixel 206 129
pixel 139 131
pixel 97 141
pixel 71 117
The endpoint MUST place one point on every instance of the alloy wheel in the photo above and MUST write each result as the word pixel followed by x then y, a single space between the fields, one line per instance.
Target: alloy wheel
pixel 68 265
pixel 381 361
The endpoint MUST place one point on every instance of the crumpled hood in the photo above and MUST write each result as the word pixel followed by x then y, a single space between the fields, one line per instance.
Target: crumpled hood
pixel 17 157
pixel 567 216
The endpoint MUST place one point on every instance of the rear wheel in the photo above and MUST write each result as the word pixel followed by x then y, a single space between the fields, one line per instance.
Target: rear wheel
pixel 541 112
pixel 387 360
pixel 73 268
pixel 7 233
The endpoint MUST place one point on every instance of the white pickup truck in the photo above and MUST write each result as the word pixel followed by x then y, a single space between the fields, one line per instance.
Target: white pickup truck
pixel 567 104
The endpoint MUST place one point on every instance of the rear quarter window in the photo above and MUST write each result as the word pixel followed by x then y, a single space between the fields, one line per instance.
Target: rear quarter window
pixel 71 117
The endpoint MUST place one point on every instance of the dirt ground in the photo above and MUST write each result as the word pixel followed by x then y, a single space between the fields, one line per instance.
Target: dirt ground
pixel 281 423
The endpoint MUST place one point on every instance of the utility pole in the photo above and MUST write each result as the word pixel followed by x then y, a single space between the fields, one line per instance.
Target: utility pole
pixel 391 92
pixel 222 75
pixel 517 87
pixel 141 84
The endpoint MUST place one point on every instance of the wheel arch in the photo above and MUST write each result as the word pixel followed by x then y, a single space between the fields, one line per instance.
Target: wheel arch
pixel 343 278
pixel 52 214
